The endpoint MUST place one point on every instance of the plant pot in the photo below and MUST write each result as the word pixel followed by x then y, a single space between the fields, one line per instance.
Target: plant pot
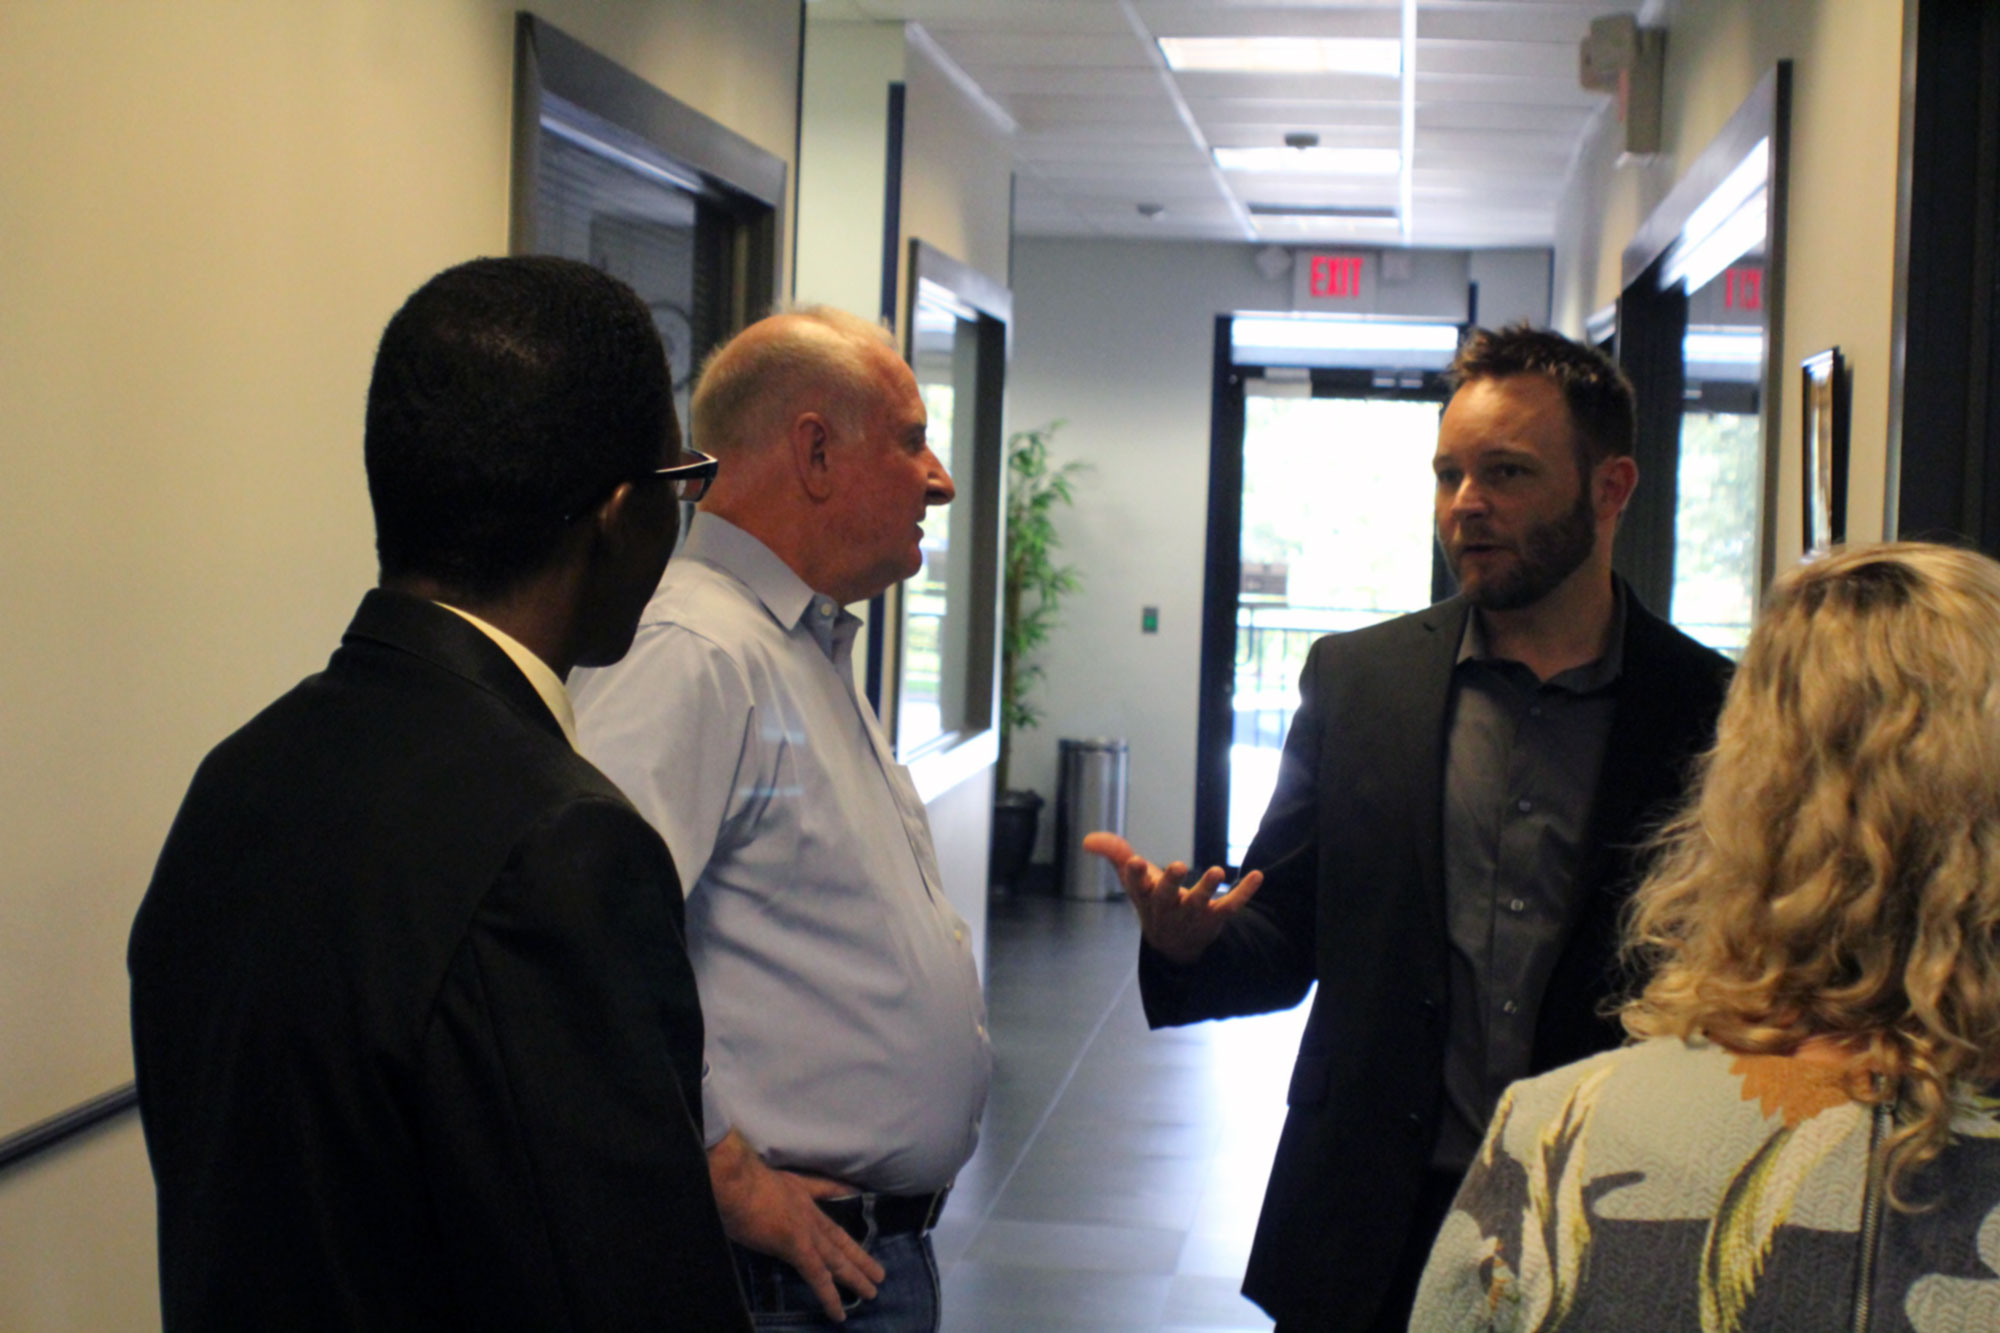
pixel 1015 817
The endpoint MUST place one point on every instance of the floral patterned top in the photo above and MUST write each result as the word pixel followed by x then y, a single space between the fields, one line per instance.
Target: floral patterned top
pixel 1673 1185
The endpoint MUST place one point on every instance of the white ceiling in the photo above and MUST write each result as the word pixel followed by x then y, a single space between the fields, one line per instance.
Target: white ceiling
pixel 1102 126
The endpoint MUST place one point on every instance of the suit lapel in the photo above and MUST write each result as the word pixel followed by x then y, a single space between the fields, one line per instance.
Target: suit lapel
pixel 1649 705
pixel 1418 737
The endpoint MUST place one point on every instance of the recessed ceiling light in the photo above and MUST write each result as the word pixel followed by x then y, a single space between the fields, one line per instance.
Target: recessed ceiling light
pixel 1285 55
pixel 1312 161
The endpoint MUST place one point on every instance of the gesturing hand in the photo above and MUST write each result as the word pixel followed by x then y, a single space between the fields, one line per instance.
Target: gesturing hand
pixel 1178 922
pixel 775 1212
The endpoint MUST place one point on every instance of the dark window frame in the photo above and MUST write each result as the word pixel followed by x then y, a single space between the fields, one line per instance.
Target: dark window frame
pixel 1944 422
pixel 993 305
pixel 593 95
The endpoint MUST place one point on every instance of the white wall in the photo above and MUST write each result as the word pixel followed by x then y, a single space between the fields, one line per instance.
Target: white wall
pixel 1117 339
pixel 209 211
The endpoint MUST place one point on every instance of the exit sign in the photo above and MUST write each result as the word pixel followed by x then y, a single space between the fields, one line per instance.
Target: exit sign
pixel 1334 279
pixel 1743 288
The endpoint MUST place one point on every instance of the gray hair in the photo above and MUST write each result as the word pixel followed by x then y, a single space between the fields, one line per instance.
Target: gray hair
pixel 812 359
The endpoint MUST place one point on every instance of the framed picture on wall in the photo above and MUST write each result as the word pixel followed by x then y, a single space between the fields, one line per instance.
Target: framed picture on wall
pixel 1824 379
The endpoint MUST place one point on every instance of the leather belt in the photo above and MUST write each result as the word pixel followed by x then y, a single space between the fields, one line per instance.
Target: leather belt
pixel 885 1214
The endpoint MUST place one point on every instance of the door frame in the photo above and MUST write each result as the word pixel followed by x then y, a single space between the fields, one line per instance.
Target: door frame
pixel 1222 567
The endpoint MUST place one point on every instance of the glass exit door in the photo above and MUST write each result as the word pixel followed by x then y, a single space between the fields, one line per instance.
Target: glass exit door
pixel 1336 535
pixel 1319 522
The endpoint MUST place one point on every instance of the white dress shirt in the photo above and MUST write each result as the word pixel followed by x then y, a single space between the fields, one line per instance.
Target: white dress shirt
pixel 539 673
pixel 846 1028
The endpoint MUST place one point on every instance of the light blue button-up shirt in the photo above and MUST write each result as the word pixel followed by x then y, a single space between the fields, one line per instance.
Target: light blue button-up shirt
pixel 846 1028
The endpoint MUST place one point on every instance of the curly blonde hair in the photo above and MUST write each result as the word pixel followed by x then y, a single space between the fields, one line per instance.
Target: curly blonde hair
pixel 1836 871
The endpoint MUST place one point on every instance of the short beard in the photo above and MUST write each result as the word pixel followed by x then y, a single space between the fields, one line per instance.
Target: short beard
pixel 1550 552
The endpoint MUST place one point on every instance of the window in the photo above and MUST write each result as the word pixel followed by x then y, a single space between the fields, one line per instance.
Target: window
pixel 610 170
pixel 946 614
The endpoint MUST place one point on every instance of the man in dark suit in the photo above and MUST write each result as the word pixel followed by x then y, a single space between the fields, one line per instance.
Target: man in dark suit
pixel 417 1041
pixel 1453 833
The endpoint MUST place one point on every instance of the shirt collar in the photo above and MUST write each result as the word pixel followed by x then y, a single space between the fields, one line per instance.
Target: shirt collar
pixel 789 599
pixel 1580 679
pixel 540 675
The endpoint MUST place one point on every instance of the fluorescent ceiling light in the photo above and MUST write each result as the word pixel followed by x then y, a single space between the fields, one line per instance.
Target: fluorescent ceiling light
pixel 1311 161
pixel 1369 212
pixel 1285 55
pixel 1342 335
pixel 1314 229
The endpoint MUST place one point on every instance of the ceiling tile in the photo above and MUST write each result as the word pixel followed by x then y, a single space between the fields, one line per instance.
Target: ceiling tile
pixel 940 16
pixel 1499 112
pixel 984 47
pixel 1193 18
pixel 1005 82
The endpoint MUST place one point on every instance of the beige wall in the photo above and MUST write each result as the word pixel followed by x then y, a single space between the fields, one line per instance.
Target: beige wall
pixel 209 209
pixel 1840 243
pixel 843 157
pixel 958 166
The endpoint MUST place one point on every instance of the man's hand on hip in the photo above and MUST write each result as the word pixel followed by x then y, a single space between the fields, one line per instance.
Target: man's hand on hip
pixel 1179 923
pixel 775 1212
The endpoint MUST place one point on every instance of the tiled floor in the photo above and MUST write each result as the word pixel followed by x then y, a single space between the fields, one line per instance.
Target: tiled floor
pixel 1118 1176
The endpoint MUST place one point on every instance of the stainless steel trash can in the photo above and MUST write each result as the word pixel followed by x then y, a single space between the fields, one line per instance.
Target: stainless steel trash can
pixel 1090 796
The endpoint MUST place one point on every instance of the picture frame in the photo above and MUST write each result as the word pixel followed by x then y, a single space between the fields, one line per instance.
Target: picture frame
pixel 1824 380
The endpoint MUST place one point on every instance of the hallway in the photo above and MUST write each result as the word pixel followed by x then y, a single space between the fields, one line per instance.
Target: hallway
pixel 1118 1177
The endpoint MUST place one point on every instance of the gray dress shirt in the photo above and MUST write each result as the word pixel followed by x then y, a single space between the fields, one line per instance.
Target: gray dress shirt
pixel 846 1029
pixel 1521 773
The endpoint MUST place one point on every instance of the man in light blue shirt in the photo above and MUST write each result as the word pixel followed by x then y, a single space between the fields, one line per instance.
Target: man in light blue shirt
pixel 846 1044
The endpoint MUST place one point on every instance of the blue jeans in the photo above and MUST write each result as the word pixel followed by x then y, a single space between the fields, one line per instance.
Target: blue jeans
pixel 906 1302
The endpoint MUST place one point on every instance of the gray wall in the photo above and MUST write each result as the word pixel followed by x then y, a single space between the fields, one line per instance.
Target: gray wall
pixel 1117 339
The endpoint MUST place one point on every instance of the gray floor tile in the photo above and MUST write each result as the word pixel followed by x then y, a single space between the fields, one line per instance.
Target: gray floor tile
pixel 1119 1170
pixel 981 1298
pixel 1211 1303
pixel 1157 1208
pixel 1076 1246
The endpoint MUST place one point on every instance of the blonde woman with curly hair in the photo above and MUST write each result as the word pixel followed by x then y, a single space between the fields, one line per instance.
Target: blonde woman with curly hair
pixel 1804 1134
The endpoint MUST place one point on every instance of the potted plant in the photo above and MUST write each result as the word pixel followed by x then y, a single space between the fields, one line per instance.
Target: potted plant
pixel 1035 587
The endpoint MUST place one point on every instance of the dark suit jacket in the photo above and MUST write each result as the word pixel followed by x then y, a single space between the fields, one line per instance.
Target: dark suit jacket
pixel 1353 898
pixel 417 1041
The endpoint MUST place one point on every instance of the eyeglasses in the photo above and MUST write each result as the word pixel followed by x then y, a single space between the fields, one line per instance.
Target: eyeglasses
pixel 690 481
